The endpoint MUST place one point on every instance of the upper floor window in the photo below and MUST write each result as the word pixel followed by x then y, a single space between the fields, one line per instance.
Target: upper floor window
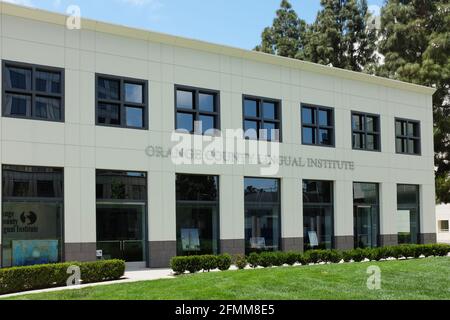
pixel 366 131
pixel 407 136
pixel 443 225
pixel 197 110
pixel 317 125
pixel 33 92
pixel 121 102
pixel 262 117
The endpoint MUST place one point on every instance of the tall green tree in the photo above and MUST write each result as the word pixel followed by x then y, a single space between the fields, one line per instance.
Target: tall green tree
pixel 341 36
pixel 286 35
pixel 416 45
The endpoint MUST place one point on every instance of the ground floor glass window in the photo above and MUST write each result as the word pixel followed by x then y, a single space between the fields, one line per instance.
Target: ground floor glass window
pixel 197 223
pixel 366 215
pixel 121 231
pixel 408 214
pixel 122 215
pixel 32 215
pixel 318 220
pixel 262 215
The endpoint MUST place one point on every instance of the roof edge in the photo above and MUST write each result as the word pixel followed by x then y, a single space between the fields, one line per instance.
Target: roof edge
pixel 147 35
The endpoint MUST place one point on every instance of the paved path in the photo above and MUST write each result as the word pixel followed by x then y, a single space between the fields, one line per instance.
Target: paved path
pixel 130 276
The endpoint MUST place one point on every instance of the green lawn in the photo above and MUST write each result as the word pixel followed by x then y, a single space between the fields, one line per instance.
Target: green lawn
pixel 413 279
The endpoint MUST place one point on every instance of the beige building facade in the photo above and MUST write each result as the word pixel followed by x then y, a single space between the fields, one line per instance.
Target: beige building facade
pixel 82 161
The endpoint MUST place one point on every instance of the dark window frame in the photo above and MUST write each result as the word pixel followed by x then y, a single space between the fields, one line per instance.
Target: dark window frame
pixel 101 201
pixel 441 226
pixel 122 103
pixel 278 203
pixel 260 119
pixel 330 204
pixel 407 137
pixel 195 111
pixel 316 125
pixel 418 204
pixel 365 132
pixel 99 172
pixel 37 199
pixel 33 93
pixel 377 204
pixel 215 203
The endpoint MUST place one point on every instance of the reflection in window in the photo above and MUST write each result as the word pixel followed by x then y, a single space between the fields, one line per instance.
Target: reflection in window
pixel 49 82
pixel 121 185
pixel 32 215
pixel 135 116
pixel 18 78
pixel 121 214
pixel 197 105
pixel 134 93
pixel 42 100
pixel 121 102
pixel 18 105
pixel 317 125
pixel 318 221
pixel 185 99
pixel 366 215
pixel 407 134
pixel 262 119
pixel 108 89
pixel 262 214
pixel 185 121
pixel 197 214
pixel 32 182
pixel 250 108
pixel 206 102
pixel 108 114
pixel 48 108
pixel 408 221
pixel 366 131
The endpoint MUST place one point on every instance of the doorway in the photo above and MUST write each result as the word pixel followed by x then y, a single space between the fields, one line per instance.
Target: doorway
pixel 366 227
pixel 121 231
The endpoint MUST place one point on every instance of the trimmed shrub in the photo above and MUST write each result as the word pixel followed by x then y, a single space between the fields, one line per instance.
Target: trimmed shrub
pixel 311 256
pixel 240 261
pixel 209 262
pixel 254 260
pixel 103 270
pixel 179 264
pixel 317 256
pixel 376 254
pixel 268 259
pixel 19 279
pixel 265 259
pixel 292 258
pixel 438 250
pixel 224 262
pixel 332 256
pixel 194 264
pixel 441 250
pixel 356 255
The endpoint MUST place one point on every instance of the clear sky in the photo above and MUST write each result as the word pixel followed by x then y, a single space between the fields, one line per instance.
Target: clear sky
pixel 237 23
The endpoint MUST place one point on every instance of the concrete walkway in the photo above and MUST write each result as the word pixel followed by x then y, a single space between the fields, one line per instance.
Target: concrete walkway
pixel 129 277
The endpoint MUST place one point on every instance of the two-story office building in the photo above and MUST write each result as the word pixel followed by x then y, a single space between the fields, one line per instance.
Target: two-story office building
pixel 86 137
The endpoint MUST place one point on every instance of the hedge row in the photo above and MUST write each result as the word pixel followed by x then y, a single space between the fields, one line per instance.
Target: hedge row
pixel 195 264
pixel 38 277
pixel 269 259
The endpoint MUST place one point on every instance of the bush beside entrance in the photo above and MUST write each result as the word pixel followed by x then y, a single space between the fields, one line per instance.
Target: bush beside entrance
pixel 18 279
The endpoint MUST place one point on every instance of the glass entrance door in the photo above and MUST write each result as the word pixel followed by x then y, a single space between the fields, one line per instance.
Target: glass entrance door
pixel 366 227
pixel 121 231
